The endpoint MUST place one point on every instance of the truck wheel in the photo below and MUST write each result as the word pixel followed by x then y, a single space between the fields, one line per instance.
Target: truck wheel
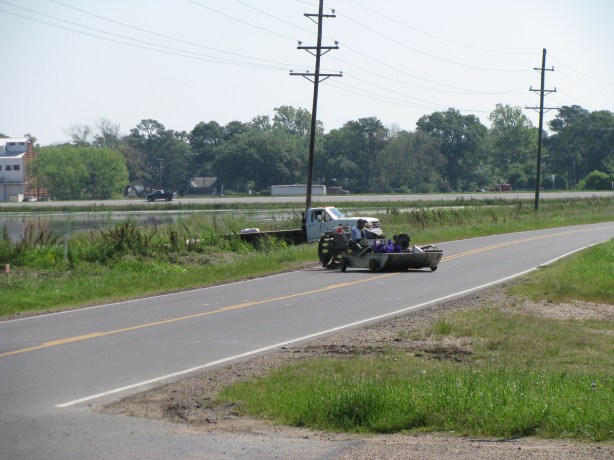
pixel 433 268
pixel 325 252
pixel 373 265
pixel 344 264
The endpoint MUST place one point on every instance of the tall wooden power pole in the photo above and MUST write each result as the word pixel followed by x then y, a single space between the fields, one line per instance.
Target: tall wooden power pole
pixel 316 77
pixel 541 108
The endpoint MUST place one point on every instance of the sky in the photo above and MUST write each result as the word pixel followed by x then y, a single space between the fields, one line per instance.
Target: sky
pixel 67 63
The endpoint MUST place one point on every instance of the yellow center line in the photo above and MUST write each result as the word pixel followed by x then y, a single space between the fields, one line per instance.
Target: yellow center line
pixel 276 299
pixel 184 318
pixel 509 243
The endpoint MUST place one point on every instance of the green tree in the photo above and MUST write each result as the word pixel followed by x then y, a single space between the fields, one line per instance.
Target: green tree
pixel 257 159
pixel 204 138
pixel 412 161
pixel 166 156
pixel 511 146
pixel 294 121
pixel 461 138
pixel 351 152
pixel 261 123
pixel 597 180
pixel 564 146
pixel 73 172
pixel 233 128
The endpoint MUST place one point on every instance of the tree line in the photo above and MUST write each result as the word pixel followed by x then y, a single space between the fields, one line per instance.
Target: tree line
pixel 448 151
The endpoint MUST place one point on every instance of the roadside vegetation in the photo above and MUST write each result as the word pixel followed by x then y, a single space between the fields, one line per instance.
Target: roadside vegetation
pixel 524 375
pixel 126 261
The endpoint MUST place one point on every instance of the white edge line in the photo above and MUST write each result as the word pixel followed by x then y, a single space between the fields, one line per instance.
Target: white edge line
pixel 307 337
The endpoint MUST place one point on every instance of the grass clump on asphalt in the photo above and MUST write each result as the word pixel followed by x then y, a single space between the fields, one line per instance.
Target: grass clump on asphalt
pixel 523 375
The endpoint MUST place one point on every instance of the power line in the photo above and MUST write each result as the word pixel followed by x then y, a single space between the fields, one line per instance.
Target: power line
pixel 241 21
pixel 272 16
pixel 154 33
pixel 438 37
pixel 174 51
pixel 459 90
pixel 433 56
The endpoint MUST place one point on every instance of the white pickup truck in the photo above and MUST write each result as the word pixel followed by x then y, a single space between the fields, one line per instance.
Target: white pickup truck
pixel 316 222
pixel 319 221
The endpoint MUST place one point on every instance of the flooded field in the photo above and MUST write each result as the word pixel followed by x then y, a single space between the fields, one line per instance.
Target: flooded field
pixel 66 223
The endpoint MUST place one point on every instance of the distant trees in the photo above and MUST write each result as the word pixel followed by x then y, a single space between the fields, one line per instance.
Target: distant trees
pixel 203 139
pixel 258 159
pixel 164 156
pixel 461 139
pixel 511 146
pixel 447 151
pixel 411 161
pixel 77 172
pixel 582 143
pixel 351 152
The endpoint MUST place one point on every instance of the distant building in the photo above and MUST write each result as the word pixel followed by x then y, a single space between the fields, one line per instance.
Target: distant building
pixel 297 189
pixel 203 186
pixel 15 179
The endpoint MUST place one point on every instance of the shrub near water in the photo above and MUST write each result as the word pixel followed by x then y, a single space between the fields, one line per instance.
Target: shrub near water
pixel 126 261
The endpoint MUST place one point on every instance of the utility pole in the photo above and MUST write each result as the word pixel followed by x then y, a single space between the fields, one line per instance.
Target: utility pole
pixel 541 108
pixel 316 77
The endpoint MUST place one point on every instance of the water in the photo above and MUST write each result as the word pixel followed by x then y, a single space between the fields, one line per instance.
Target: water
pixel 66 223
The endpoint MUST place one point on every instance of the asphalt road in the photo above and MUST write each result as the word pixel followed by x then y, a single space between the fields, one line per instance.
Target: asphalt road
pixel 323 200
pixel 56 369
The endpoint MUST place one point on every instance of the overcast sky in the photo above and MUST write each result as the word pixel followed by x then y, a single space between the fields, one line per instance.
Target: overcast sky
pixel 180 62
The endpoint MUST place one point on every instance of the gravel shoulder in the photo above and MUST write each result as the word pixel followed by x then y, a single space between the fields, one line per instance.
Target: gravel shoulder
pixel 189 403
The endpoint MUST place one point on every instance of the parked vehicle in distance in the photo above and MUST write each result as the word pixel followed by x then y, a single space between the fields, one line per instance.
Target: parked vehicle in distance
pixel 160 195
pixel 316 222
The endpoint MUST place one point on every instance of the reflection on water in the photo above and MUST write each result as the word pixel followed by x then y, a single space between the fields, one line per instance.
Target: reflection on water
pixel 62 223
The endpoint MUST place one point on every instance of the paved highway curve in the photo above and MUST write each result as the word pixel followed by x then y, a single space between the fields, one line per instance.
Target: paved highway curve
pixel 55 369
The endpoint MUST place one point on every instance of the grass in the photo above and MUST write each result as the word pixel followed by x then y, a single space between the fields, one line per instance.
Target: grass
pixel 49 290
pixel 588 278
pixel 525 375
pixel 128 262
pixel 386 396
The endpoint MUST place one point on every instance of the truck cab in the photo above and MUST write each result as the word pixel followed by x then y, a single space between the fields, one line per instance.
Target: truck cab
pixel 160 195
pixel 319 221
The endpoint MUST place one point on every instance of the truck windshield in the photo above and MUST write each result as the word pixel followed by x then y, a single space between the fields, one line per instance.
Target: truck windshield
pixel 335 212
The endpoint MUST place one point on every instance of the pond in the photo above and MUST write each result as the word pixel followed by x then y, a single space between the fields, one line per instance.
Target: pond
pixel 66 223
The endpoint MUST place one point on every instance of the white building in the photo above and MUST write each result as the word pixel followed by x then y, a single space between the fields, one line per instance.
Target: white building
pixel 14 157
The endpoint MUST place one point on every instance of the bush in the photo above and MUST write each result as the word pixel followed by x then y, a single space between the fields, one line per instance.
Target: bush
pixel 597 180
